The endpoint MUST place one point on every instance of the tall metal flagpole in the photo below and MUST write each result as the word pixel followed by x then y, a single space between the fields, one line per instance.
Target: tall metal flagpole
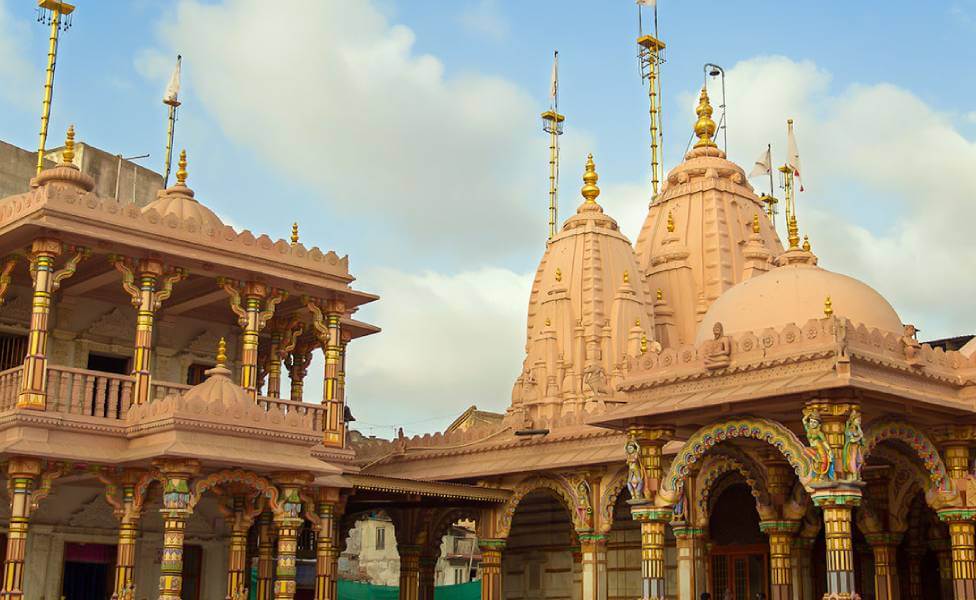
pixel 650 57
pixel 51 11
pixel 552 123
pixel 171 100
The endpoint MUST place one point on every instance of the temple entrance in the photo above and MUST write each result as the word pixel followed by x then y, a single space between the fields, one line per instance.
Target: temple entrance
pixel 739 559
pixel 538 561
pixel 88 571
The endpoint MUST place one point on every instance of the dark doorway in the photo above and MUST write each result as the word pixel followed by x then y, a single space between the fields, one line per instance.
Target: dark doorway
pixel 740 555
pixel 192 568
pixel 88 571
pixel 108 364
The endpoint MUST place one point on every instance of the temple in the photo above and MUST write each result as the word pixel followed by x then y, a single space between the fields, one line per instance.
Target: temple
pixel 704 410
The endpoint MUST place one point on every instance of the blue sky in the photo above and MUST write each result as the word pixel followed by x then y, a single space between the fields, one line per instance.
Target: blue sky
pixel 405 134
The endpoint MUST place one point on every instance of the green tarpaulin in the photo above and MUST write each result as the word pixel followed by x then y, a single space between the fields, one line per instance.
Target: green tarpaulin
pixel 350 590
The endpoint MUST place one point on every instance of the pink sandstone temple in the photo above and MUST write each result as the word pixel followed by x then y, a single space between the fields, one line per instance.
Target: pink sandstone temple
pixel 703 412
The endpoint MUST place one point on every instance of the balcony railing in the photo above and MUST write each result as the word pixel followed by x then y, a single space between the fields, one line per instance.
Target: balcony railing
pixel 108 395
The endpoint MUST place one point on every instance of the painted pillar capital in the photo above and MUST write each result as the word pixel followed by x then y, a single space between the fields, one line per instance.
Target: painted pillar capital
pixel 254 304
pixel 176 509
pixel 491 567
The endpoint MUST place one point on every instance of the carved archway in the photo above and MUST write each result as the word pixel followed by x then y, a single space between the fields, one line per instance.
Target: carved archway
pixel 241 477
pixel 918 442
pixel 719 465
pixel 757 428
pixel 608 499
pixel 558 485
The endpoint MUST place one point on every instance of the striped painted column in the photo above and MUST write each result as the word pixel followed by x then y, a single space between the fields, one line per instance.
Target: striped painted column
pixel 326 548
pixel 491 568
pixel 21 476
pixel 266 534
pixel 838 504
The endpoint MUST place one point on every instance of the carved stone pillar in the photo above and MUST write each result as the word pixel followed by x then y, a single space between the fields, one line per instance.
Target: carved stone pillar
pixel 266 535
pixel 428 568
pixel 326 545
pixel 690 542
pixel 288 517
pixel 254 304
pixel 645 444
pixel 593 555
pixel 944 554
pixel 42 254
pixel 491 568
pixel 175 511
pixel 838 503
pixel 963 551
pixel 329 333
pixel 284 337
pixel 22 473
pixel 409 571
pixel 125 498
pixel 297 363
pixel 148 288
pixel 780 535
pixel 915 555
pixel 242 516
pixel 884 546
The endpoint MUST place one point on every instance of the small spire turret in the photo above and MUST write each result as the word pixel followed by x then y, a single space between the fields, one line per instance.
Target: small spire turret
pixel 294 233
pixel 221 353
pixel 181 173
pixel 68 156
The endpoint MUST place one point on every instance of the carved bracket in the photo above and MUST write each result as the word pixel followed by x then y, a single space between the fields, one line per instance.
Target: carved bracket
pixel 9 262
pixel 69 268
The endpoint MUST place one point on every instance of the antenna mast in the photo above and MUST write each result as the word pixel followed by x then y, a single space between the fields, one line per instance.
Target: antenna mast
pixel 57 14
pixel 552 123
pixel 650 56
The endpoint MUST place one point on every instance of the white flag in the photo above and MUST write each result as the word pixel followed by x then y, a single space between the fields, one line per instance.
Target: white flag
pixel 647 2
pixel 554 88
pixel 794 154
pixel 171 96
pixel 764 164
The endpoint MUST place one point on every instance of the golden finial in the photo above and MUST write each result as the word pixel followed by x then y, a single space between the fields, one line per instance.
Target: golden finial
pixel 559 274
pixel 294 233
pixel 590 190
pixel 705 126
pixel 828 307
pixel 548 322
pixel 636 322
pixel 626 276
pixel 806 244
pixel 793 232
pixel 755 223
pixel 68 156
pixel 670 222
pixel 643 345
pixel 181 173
pixel 660 294
pixel 221 352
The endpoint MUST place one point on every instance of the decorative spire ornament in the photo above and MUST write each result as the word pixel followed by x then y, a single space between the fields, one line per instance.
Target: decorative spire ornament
pixel 755 223
pixel 68 156
pixel 670 222
pixel 181 173
pixel 590 190
pixel 221 353
pixel 294 233
pixel 705 126
pixel 828 307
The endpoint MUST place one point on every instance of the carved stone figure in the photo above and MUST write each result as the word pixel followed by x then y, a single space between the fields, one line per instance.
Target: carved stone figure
pixel 595 380
pixel 910 344
pixel 853 445
pixel 819 448
pixel 718 351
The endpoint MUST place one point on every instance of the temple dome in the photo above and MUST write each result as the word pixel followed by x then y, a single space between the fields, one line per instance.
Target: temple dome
pixel 588 310
pixel 796 293
pixel 218 390
pixel 178 200
pixel 705 232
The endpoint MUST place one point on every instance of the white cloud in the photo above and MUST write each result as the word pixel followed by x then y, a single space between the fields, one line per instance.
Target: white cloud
pixel 341 100
pixel 448 341
pixel 888 196
pixel 483 17
pixel 16 76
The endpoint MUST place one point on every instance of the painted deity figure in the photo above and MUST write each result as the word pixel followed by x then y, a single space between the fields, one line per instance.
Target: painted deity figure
pixel 819 448
pixel 853 455
pixel 584 509
pixel 636 481
pixel 718 351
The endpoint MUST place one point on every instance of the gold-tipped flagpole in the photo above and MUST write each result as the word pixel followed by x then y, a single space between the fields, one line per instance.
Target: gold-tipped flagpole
pixel 650 57
pixel 52 12
pixel 552 123
pixel 171 99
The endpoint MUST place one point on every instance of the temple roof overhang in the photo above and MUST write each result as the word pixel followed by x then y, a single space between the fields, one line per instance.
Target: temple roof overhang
pixel 772 372
pixel 396 485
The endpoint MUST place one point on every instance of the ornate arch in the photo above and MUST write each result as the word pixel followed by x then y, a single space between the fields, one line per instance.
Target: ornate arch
pixel 442 521
pixel 239 476
pixel 775 434
pixel 557 484
pixel 714 468
pixel 608 500
pixel 918 442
